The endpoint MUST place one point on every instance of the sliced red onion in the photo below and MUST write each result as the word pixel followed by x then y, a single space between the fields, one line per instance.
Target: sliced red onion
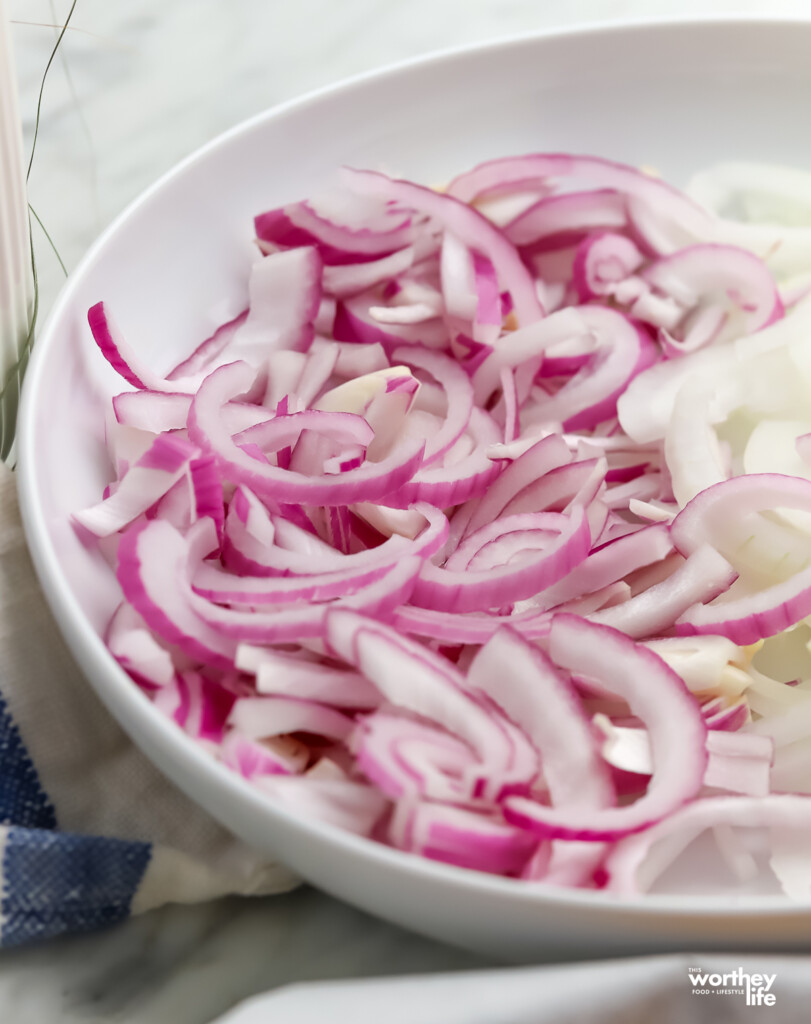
pixel 729 719
pixel 727 515
pixel 276 756
pixel 458 284
pixel 411 313
pixel 299 224
pixel 440 460
pixel 352 360
pixel 266 550
pixel 673 209
pixel 704 576
pixel 544 527
pixel 508 547
pixel 249 534
pixel 263 717
pixel 558 488
pixel 540 458
pixel 284 675
pixel 155 564
pixel 565 358
pixel 282 430
pixel 643 488
pixel 208 351
pixel 124 360
pixel 752 617
pixel 737 762
pixel 469 353
pixel 350 278
pixel 608 564
pixel 342 802
pixel 164 463
pixel 528 687
pixel 285 370
pixel 207 500
pixel 659 698
pixel 526 349
pixel 632 867
pixel 459 397
pixel 158 411
pixel 199 705
pixel 502 209
pixel 787 727
pixel 288 624
pixel 607 597
pixel 702 327
pixel 456 480
pixel 325 316
pixel 135 648
pixel 454 835
pixel 778 446
pixel 652 511
pixel 472 303
pixel 509 392
pixel 555 268
pixel 465 591
pixel 803 444
pixel 221 587
pixel 602 262
pixel 357 395
pixel 416 679
pixel 407 758
pixel 623 351
pixel 318 369
pixel 723 270
pixel 377 522
pixel 489 302
pixel 627 466
pixel 370 481
pixel 567 215
pixel 455 628
pixel 354 323
pixel 467 224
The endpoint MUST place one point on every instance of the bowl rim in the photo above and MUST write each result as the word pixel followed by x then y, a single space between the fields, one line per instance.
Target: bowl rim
pixel 88 648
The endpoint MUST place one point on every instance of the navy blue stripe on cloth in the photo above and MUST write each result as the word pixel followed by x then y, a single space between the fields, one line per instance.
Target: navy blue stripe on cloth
pixel 55 882
pixel 22 799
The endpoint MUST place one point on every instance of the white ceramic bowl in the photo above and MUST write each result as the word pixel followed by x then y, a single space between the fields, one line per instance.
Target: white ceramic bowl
pixel 678 96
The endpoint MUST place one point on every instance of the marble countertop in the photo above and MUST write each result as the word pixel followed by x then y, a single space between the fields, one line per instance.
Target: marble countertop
pixel 139 84
pixel 188 965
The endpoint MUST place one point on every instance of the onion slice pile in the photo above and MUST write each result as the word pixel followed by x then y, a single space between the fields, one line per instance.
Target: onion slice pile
pixel 485 530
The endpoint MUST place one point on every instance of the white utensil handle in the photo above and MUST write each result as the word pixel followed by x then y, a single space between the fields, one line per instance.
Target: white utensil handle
pixel 16 281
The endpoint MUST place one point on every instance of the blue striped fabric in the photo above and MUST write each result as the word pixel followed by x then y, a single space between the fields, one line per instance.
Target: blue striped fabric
pixel 22 799
pixel 54 882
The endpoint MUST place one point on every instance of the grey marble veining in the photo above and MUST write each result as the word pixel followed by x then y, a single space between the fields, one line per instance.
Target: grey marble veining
pixel 141 83
pixel 188 965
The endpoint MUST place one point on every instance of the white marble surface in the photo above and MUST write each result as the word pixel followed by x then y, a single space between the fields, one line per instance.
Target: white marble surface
pixel 139 84
pixel 188 965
